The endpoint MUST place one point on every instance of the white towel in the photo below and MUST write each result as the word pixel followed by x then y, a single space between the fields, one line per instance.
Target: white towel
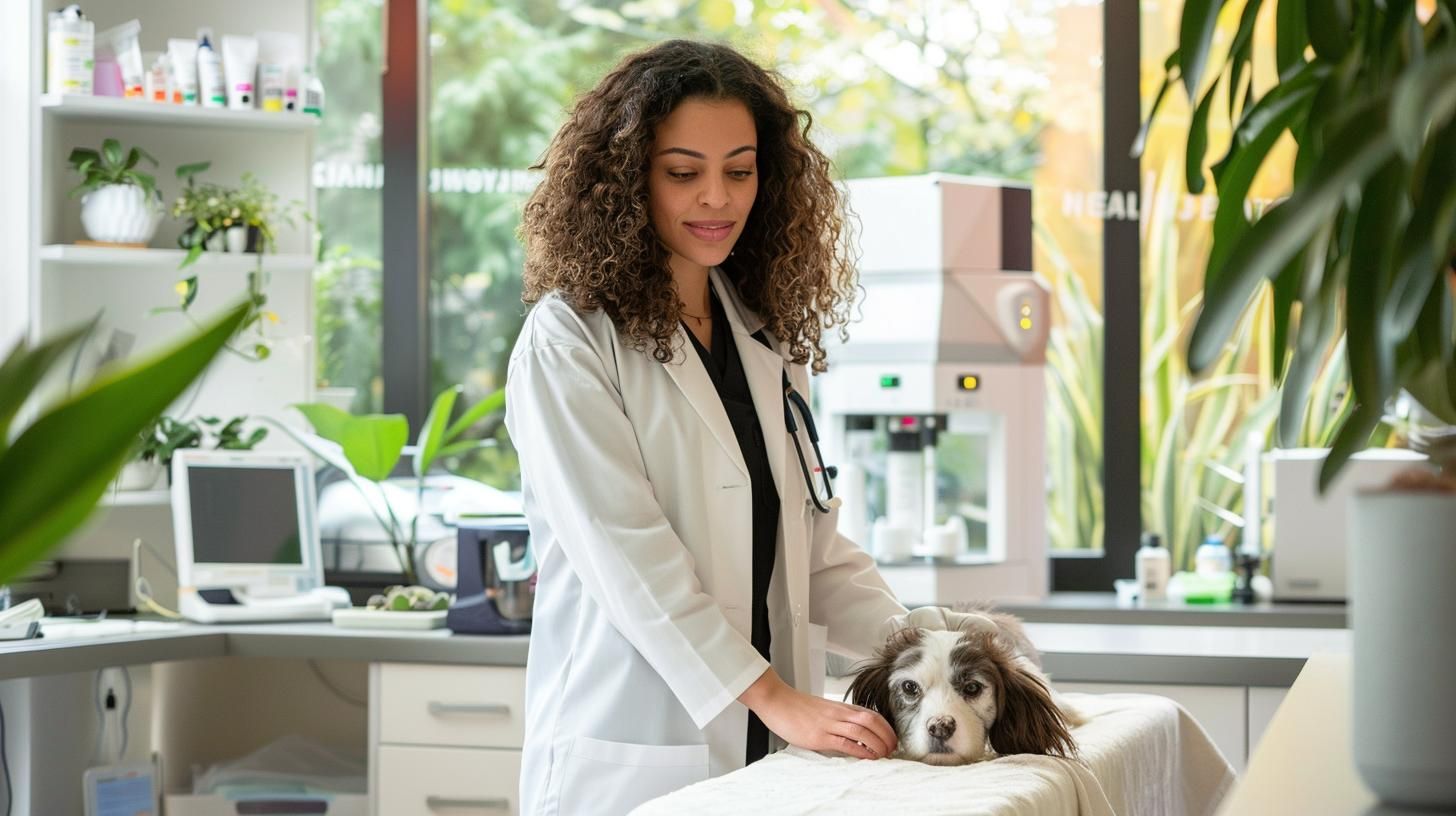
pixel 1139 755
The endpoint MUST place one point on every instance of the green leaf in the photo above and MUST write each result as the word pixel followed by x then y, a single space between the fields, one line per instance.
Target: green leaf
pixel 327 421
pixel 45 495
pixel 1328 23
pixel 1372 348
pixel 1354 153
pixel 186 171
pixel 495 401
pixel 1195 35
pixel 1353 437
pixel 111 151
pixel 193 253
pixel 465 446
pixel 1198 142
pixel 1425 246
pixel 191 293
pixel 1241 50
pixel 24 368
pixel 373 444
pixel 1287 286
pixel 1140 143
pixel 1426 94
pixel 432 434
pixel 1291 34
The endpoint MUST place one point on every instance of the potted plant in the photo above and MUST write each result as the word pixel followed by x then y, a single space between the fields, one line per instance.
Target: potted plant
pixel 1367 90
pixel 45 496
pixel 368 448
pixel 120 204
pixel 157 442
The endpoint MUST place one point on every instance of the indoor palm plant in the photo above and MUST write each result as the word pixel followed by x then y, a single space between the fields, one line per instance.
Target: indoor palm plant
pixel 55 467
pixel 1365 241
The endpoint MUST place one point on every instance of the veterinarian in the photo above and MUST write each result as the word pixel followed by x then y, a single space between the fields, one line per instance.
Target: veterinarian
pixel 684 252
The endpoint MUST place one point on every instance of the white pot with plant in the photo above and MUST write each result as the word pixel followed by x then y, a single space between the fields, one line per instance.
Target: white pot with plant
pixel 1364 243
pixel 119 203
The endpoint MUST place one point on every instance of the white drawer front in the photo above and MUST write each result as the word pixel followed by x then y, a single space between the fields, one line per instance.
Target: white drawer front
pixel 474 706
pixel 448 781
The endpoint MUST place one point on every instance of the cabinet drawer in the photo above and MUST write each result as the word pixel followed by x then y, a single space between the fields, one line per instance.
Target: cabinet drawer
pixel 430 781
pixel 473 706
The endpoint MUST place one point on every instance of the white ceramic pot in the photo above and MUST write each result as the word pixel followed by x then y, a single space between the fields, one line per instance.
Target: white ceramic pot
pixel 120 214
pixel 1402 607
pixel 237 239
pixel 139 476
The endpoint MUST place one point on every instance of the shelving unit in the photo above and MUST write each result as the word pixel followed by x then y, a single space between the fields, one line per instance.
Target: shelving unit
pixel 111 109
pixel 137 498
pixel 167 259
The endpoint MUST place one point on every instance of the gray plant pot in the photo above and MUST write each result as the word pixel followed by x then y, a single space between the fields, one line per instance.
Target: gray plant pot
pixel 1403 610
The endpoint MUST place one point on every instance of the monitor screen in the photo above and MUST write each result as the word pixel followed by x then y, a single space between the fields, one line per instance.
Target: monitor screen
pixel 244 515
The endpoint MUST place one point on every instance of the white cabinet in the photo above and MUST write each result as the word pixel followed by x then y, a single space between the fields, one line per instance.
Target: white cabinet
pixel 1263 702
pixel 1221 710
pixel 445 739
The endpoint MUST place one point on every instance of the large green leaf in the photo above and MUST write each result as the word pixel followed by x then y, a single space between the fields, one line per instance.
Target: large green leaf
pixel 56 464
pixel 1426 244
pixel 1195 37
pixel 1169 77
pixel 1424 96
pixel 327 421
pixel 1241 50
pixel 1198 142
pixel 1354 153
pixel 23 370
pixel 373 444
pixel 1329 24
pixel 1382 213
pixel 489 404
pixel 1353 437
pixel 432 434
pixel 1290 34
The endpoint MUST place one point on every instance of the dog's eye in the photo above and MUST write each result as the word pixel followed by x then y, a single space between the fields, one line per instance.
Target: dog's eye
pixel 910 688
pixel 972 688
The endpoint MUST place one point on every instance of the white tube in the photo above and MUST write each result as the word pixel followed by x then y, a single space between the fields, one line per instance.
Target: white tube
pixel 122 42
pixel 239 64
pixel 183 54
pixel 211 88
pixel 280 57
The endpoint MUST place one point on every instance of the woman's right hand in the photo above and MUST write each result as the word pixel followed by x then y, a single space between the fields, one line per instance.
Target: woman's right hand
pixel 816 723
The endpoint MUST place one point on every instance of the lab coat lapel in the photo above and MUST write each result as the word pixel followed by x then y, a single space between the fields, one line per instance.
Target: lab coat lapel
pixel 692 379
pixel 764 369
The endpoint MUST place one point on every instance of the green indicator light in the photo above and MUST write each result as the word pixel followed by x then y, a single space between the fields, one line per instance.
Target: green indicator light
pixel 890 381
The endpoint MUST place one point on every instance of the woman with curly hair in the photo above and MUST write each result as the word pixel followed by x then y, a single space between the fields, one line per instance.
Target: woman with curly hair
pixel 685 251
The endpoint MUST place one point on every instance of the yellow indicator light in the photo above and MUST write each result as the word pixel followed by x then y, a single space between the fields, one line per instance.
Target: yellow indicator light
pixel 970 382
pixel 1026 309
pixel 1026 323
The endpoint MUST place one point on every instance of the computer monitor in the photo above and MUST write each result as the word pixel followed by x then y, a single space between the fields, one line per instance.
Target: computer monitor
pixel 245 521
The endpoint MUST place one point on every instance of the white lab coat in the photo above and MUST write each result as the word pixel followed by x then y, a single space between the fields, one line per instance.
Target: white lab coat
pixel 640 512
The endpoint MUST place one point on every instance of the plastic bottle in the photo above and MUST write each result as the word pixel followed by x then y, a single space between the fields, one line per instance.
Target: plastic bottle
pixel 313 93
pixel 211 87
pixel 1213 557
pixel 70 52
pixel 1153 567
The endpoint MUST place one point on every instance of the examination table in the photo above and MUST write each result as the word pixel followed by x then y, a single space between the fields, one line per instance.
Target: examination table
pixel 1140 755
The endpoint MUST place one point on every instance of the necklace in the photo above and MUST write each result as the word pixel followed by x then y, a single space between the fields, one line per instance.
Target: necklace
pixel 686 313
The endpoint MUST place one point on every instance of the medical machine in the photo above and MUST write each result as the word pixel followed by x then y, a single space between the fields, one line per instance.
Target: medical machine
pixel 933 411
pixel 1311 530
pixel 496 587
pixel 247 538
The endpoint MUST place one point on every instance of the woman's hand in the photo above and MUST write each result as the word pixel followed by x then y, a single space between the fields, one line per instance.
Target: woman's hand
pixel 816 723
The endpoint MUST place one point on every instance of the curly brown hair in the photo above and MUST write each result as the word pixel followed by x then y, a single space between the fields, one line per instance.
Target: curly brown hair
pixel 588 231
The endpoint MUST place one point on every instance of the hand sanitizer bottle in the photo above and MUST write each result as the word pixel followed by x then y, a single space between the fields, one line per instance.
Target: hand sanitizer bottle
pixel 1153 568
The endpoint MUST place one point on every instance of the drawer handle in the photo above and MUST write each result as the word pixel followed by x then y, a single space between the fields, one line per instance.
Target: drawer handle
pixel 437 802
pixel 438 708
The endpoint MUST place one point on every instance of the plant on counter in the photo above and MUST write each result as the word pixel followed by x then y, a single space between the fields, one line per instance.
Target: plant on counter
pixel 54 470
pixel 367 449
pixel 251 212
pixel 159 441
pixel 120 204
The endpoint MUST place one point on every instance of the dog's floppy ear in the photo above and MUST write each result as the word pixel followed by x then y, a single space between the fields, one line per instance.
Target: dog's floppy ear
pixel 1027 720
pixel 871 685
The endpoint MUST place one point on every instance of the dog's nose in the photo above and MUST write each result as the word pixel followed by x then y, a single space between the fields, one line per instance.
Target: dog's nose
pixel 942 727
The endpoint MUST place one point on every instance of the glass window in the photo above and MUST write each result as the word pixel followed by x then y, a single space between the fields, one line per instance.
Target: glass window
pixel 348 177
pixel 1009 89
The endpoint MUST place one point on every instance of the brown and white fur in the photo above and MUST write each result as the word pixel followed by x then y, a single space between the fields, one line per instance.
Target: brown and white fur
pixel 950 694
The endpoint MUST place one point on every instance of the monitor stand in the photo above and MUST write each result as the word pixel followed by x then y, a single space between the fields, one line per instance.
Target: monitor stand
pixel 224 605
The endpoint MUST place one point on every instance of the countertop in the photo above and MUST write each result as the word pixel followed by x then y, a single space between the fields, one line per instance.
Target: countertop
pixel 1213 655
pixel 1304 763
pixel 1103 607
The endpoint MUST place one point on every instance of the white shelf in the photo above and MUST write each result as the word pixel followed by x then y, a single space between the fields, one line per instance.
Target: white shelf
pixel 110 108
pixel 91 256
pixel 136 498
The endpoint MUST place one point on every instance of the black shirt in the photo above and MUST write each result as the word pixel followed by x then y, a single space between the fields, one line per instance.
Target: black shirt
pixel 725 368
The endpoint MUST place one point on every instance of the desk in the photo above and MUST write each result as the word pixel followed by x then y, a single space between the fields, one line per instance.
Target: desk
pixel 1305 763
pixel 1214 671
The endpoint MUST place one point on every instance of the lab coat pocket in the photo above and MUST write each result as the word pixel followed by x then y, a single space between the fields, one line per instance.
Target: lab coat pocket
pixel 818 657
pixel 602 777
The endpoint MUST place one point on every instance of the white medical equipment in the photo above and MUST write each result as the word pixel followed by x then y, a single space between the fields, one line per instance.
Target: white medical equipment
pixel 129 789
pixel 934 407
pixel 247 538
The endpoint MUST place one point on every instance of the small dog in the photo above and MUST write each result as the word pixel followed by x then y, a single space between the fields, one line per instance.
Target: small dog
pixel 947 694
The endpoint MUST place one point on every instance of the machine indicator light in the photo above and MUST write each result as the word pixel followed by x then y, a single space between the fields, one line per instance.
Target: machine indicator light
pixel 1025 323
pixel 890 381
pixel 1026 309
pixel 970 382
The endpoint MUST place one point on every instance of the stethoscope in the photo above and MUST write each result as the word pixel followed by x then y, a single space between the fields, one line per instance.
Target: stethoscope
pixel 792 400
